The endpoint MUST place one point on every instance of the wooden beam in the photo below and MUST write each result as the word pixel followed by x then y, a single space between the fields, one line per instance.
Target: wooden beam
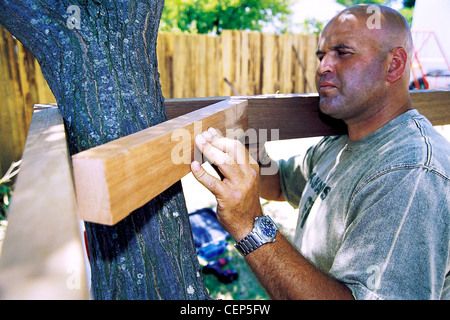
pixel 433 104
pixel 42 256
pixel 118 177
pixel 298 116
pixel 294 115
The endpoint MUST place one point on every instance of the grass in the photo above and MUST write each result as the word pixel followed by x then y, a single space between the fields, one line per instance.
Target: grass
pixel 6 189
pixel 246 287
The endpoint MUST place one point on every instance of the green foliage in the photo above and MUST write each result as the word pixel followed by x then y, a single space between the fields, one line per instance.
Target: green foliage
pixel 204 16
pixel 313 26
pixel 6 189
pixel 408 14
pixel 409 3
pixel 5 195
pixel 349 3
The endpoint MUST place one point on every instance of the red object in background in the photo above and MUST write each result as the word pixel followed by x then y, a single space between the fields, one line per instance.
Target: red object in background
pixel 86 245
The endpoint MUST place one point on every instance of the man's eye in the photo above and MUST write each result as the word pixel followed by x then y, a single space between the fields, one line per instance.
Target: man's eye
pixel 343 53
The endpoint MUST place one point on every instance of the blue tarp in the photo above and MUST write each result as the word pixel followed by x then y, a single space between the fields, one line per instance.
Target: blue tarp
pixel 209 236
pixel 205 227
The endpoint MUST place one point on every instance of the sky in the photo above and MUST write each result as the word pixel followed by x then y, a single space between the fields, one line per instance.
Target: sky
pixel 321 10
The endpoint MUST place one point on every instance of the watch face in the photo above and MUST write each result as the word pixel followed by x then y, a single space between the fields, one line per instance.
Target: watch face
pixel 267 227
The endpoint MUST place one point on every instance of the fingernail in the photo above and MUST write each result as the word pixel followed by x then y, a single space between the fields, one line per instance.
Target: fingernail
pixel 201 138
pixel 212 131
pixel 207 135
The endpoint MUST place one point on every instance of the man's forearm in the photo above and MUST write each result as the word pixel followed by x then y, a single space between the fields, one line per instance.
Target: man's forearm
pixel 286 274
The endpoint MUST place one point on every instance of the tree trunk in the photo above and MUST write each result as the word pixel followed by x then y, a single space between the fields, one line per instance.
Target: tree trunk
pixel 99 59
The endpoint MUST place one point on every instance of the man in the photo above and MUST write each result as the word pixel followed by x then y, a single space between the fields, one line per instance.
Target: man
pixel 373 205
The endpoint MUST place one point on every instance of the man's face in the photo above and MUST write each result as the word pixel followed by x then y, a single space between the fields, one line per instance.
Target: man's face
pixel 351 75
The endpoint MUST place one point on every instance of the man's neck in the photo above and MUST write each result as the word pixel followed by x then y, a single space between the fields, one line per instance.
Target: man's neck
pixel 361 129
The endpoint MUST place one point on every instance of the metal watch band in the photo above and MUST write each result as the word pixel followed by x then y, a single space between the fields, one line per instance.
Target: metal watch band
pixel 251 242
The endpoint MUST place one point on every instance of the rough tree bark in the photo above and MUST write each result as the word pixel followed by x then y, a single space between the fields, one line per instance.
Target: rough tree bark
pixel 99 59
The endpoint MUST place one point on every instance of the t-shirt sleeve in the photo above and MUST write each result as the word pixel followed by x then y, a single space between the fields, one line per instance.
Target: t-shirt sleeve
pixel 292 180
pixel 396 244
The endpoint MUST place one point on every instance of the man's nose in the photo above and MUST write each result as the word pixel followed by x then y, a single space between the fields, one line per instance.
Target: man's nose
pixel 326 65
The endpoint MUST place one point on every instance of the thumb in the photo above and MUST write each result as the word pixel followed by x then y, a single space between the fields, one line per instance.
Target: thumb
pixel 208 181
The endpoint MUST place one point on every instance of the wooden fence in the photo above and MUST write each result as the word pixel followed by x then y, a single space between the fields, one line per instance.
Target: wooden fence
pixel 235 63
pixel 21 86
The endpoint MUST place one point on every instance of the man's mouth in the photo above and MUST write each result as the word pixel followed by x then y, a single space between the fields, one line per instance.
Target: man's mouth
pixel 326 86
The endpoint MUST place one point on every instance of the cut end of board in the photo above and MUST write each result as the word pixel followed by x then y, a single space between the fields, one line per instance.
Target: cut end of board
pixel 114 179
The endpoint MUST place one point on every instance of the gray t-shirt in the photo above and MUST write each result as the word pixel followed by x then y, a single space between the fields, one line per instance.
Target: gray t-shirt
pixel 374 213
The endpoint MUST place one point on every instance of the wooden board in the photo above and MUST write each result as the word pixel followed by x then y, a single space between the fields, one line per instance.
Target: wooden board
pixel 433 104
pixel 294 115
pixel 298 116
pixel 118 177
pixel 42 256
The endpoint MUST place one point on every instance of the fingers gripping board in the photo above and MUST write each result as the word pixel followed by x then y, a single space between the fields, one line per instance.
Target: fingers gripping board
pixel 116 178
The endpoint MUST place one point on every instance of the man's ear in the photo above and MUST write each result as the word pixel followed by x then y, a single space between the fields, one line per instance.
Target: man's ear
pixel 397 65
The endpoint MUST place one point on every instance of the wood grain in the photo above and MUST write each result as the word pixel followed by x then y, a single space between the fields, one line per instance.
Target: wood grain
pixel 433 104
pixel 118 177
pixel 42 255
pixel 298 116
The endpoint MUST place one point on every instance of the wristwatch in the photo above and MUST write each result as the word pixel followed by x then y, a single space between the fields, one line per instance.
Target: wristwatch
pixel 264 231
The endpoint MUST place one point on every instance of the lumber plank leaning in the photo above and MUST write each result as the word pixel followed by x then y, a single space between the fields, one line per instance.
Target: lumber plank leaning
pixel 42 256
pixel 114 179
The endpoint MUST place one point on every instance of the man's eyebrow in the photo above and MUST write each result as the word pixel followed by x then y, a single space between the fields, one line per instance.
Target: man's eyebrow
pixel 319 52
pixel 339 46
